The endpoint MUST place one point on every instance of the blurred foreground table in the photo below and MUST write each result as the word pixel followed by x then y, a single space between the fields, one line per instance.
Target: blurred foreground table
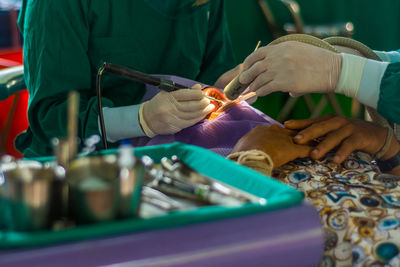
pixel 288 237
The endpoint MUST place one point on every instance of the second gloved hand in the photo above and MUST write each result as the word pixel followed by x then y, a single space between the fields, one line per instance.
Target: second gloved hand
pixel 170 112
pixel 293 67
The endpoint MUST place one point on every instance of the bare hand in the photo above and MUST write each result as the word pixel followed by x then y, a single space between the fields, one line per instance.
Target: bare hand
pixel 274 140
pixel 345 133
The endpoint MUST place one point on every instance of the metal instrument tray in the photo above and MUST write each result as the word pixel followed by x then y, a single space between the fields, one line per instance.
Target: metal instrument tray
pixel 278 195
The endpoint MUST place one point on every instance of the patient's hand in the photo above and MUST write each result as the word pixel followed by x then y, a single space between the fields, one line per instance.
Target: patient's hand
pixel 345 133
pixel 274 140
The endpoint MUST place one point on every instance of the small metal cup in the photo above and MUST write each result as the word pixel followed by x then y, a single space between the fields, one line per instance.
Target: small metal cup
pixel 93 194
pixel 4 213
pixel 101 191
pixel 7 163
pixel 130 189
pixel 27 194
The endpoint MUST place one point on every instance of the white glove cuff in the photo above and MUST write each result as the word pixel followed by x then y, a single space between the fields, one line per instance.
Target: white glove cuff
pixel 391 57
pixel 350 76
pixel 146 129
pixel 117 116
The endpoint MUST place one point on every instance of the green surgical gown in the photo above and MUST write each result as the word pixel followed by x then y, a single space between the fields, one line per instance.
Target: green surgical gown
pixel 389 96
pixel 65 41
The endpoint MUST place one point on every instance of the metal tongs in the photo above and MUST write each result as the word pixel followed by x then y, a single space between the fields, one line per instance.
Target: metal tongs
pixel 178 178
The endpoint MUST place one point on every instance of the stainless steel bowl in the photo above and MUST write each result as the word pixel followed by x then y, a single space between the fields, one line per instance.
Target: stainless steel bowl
pixel 100 191
pixel 27 193
pixel 130 189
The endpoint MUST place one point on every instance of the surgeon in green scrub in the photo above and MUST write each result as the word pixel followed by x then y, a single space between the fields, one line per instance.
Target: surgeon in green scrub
pixel 65 42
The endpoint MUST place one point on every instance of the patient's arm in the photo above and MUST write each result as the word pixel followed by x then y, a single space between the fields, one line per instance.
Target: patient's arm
pixel 274 140
pixel 345 133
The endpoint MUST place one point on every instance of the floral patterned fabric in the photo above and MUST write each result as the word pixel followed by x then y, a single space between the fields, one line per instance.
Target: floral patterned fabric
pixel 358 205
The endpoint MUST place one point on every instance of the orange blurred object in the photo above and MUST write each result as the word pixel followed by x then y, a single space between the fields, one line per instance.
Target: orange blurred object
pixel 13 110
pixel 221 107
pixel 218 94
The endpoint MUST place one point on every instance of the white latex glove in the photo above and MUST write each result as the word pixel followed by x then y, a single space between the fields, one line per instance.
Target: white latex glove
pixel 228 76
pixel 170 112
pixel 293 67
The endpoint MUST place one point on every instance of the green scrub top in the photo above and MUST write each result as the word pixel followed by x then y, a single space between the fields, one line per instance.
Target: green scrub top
pixel 66 41
pixel 389 96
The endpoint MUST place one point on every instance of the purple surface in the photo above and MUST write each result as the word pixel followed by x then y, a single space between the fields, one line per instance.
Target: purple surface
pixel 289 237
pixel 218 135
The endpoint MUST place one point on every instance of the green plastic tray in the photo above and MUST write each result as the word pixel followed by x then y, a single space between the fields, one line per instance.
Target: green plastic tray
pixel 278 196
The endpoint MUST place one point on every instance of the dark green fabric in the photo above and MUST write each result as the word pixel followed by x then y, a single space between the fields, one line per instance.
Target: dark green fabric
pixel 377 24
pixel 278 195
pixel 66 41
pixel 389 96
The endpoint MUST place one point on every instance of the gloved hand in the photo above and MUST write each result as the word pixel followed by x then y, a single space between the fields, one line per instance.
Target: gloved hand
pixel 228 76
pixel 293 67
pixel 170 112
